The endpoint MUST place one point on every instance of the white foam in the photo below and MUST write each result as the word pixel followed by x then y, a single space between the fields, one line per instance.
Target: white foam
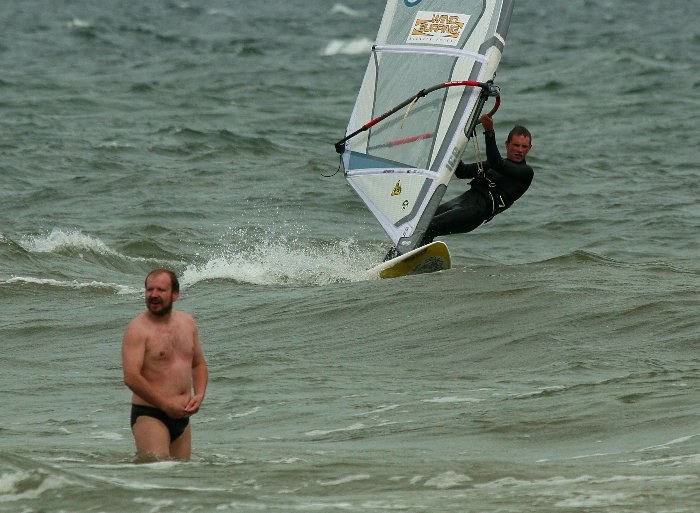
pixel 344 9
pixel 539 391
pixel 77 23
pixel 158 504
pixel 74 284
pixel 221 12
pixel 244 414
pixel 59 240
pixel 592 455
pixel 346 479
pixel 673 461
pixel 593 500
pixel 283 262
pixel 319 432
pixel 452 399
pixel 380 409
pixel 12 483
pixel 348 47
pixel 114 145
pixel 665 445
pixel 511 482
pixel 447 480
pixel 289 461
pixel 580 481
pixel 106 435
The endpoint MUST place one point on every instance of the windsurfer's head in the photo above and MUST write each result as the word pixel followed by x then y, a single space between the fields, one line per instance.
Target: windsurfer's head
pixel 518 143
pixel 519 130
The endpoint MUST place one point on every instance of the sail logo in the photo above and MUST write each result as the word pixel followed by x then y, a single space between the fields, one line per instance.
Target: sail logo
pixel 438 28
pixel 396 191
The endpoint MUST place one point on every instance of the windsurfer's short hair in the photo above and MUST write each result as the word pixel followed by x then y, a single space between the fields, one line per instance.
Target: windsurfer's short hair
pixel 519 130
pixel 175 284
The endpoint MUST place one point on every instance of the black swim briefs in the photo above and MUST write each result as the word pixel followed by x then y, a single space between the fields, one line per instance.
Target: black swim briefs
pixel 175 426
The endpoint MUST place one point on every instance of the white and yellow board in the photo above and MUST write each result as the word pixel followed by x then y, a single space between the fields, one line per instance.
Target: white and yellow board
pixel 425 259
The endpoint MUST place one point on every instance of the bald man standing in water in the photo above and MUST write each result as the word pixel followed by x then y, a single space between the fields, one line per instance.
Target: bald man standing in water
pixel 165 369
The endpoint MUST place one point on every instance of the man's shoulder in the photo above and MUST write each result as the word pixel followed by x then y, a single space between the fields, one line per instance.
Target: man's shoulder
pixel 521 167
pixel 180 314
pixel 183 318
pixel 136 329
pixel 137 321
pixel 144 322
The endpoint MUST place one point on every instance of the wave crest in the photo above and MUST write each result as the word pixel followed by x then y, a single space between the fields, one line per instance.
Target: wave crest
pixel 58 241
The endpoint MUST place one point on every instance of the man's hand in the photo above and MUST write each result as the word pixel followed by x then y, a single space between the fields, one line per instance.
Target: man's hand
pixel 174 410
pixel 194 404
pixel 487 122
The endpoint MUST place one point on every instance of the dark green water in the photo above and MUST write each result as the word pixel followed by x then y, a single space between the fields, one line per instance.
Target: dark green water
pixel 554 368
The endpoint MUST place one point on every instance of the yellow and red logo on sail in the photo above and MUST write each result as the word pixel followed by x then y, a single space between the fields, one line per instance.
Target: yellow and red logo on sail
pixel 438 28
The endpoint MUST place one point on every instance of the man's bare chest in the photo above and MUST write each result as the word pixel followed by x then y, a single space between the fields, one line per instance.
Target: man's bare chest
pixel 167 345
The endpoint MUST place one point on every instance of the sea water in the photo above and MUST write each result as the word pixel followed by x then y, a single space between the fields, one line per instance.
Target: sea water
pixel 555 368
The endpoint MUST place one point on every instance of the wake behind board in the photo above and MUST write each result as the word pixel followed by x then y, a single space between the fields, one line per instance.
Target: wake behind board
pixel 425 259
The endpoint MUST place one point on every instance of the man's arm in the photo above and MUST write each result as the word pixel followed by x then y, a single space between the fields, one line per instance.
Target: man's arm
pixel 200 375
pixel 492 154
pixel 133 354
pixel 469 170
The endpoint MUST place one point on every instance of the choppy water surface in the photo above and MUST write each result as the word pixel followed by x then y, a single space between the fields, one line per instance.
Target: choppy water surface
pixel 554 368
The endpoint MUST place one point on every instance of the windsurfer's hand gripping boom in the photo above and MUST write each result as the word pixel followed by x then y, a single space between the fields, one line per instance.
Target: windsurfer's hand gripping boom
pixel 487 122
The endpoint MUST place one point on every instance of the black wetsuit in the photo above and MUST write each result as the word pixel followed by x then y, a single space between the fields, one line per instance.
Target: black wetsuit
pixel 492 192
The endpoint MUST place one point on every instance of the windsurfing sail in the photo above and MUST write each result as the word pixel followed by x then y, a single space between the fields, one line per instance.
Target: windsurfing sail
pixel 429 75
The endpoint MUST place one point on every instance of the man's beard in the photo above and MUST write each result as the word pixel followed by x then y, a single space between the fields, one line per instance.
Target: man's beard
pixel 165 310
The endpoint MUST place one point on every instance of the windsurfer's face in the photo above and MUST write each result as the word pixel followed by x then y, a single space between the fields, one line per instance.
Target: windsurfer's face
pixel 517 148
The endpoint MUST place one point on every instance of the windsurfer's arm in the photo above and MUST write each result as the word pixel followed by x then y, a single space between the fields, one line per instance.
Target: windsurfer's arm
pixel 492 153
pixel 487 123
pixel 468 170
pixel 493 156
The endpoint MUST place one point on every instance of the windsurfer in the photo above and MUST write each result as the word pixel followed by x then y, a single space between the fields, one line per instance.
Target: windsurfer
pixel 495 185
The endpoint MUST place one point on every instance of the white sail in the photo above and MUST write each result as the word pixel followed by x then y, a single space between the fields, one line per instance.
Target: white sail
pixel 400 164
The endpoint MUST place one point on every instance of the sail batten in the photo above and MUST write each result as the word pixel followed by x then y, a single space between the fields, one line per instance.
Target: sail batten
pixel 429 50
pixel 440 57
